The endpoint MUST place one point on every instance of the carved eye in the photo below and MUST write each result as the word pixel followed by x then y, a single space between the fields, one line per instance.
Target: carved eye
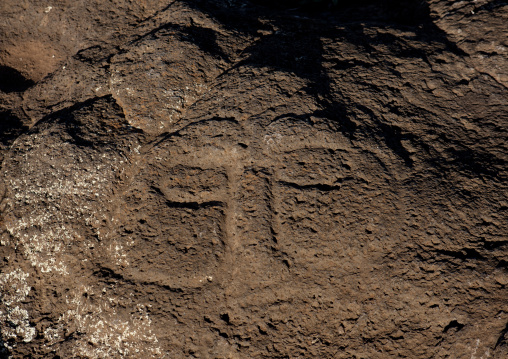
pixel 194 185
pixel 174 228
pixel 312 167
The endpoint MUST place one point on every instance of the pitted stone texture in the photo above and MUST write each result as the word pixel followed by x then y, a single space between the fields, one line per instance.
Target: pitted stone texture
pixel 225 180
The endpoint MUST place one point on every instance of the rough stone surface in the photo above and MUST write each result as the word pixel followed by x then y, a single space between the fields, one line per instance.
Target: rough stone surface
pixel 226 179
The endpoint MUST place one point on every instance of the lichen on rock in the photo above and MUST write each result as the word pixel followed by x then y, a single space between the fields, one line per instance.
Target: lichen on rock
pixel 233 179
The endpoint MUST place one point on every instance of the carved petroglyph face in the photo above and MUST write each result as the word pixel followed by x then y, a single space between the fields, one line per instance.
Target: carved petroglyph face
pixel 228 217
pixel 225 226
pixel 207 239
pixel 217 202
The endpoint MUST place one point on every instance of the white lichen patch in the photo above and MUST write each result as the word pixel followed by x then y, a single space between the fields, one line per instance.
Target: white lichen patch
pixel 117 252
pixel 49 201
pixel 56 192
pixel 18 325
pixel 13 286
pixel 14 320
pixel 104 331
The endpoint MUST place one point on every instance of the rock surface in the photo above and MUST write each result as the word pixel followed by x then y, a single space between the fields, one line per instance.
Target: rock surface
pixel 225 179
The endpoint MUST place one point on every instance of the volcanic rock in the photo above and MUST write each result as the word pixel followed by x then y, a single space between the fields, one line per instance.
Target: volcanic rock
pixel 244 179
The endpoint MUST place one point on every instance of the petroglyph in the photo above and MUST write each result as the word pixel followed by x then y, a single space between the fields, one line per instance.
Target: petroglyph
pixel 218 179
pixel 198 209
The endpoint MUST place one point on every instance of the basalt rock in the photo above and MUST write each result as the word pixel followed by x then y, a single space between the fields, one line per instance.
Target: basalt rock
pixel 233 179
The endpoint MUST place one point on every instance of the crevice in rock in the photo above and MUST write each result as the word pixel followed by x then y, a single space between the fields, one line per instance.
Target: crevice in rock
pixel 318 186
pixel 454 324
pixel 491 245
pixel 464 254
pixel 11 127
pixel 11 80
pixel 501 341
pixel 194 205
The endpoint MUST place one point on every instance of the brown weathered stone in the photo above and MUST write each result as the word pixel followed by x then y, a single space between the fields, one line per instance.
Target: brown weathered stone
pixel 222 179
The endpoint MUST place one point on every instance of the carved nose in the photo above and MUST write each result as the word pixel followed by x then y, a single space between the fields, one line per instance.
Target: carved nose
pixel 254 263
pixel 253 217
